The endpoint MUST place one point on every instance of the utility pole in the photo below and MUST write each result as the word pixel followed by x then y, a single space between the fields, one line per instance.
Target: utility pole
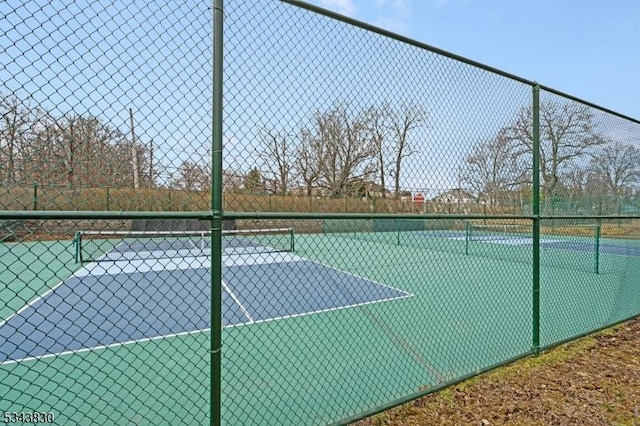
pixel 151 165
pixel 134 154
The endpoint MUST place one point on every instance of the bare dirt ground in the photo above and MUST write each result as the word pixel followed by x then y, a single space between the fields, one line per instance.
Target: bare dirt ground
pixel 591 381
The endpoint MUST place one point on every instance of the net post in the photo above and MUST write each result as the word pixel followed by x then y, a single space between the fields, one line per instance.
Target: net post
pixel 467 237
pixel 597 250
pixel 293 241
pixel 77 239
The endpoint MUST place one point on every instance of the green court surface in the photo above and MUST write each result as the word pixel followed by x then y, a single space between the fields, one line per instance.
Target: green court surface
pixel 465 313
pixel 30 269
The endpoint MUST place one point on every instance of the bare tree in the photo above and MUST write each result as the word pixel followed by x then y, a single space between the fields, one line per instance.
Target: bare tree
pixel 596 188
pixel 618 166
pixel 13 125
pixel 277 153
pixel 232 180
pixel 492 169
pixel 380 126
pixel 192 177
pixel 91 153
pixel 81 151
pixel 309 158
pixel 402 123
pixel 38 154
pixel 71 150
pixel 567 133
pixel 575 179
pixel 349 154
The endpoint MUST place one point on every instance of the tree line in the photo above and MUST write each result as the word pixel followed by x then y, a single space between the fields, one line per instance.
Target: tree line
pixel 577 160
pixel 72 150
pixel 341 151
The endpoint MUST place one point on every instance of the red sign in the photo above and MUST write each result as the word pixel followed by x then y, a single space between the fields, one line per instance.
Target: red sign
pixel 418 198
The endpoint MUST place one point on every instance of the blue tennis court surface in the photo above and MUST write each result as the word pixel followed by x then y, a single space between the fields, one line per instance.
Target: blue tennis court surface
pixel 121 302
pixel 580 244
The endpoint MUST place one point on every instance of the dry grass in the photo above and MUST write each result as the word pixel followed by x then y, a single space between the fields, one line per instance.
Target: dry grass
pixel 29 197
pixel 591 381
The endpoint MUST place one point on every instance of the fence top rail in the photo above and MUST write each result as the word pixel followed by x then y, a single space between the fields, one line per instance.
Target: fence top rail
pixel 407 40
pixel 208 215
pixel 73 215
pixel 414 216
pixel 587 103
pixel 430 48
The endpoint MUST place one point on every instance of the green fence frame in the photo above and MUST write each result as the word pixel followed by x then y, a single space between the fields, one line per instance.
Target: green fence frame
pixel 216 214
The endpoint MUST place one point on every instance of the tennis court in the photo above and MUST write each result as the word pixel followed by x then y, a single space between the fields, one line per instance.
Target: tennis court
pixel 418 308
pixel 154 282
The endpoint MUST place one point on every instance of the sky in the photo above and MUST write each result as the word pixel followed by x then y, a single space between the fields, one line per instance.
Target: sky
pixel 283 64
pixel 586 48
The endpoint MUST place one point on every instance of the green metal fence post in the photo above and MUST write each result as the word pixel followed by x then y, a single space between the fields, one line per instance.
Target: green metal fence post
pixel 536 219
pixel 216 222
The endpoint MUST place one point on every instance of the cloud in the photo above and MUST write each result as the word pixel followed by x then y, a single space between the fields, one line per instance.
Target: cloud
pixel 393 24
pixel 344 7
pixel 443 3
pixel 393 15
pixel 398 7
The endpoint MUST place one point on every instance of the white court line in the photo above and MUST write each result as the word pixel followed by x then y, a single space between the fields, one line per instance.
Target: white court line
pixel 406 295
pixel 235 299
pixel 289 258
pixel 337 308
pixel 125 266
pixel 109 346
pixel 266 258
pixel 34 301
pixel 526 241
pixel 98 268
pixel 77 273
pixel 365 279
pixel 277 258
pixel 145 265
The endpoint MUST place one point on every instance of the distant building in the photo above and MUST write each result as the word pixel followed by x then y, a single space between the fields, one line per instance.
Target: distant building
pixel 455 196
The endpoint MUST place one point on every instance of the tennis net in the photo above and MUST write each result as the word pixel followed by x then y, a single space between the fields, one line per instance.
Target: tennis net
pixel 524 232
pixel 564 246
pixel 96 246
pixel 498 232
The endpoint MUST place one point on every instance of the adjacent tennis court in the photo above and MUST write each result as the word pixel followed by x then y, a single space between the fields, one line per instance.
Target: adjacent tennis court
pixel 423 306
pixel 154 278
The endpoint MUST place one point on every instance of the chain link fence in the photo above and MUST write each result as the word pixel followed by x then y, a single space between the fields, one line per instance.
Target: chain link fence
pixel 385 218
pixel 106 111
